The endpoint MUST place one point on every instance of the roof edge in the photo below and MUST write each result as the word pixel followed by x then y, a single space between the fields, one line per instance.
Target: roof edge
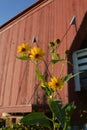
pixel 23 12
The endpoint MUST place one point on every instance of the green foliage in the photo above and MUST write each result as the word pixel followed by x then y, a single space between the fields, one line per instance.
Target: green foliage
pixel 47 90
pixel 22 57
pixel 56 60
pixel 55 107
pixel 68 109
pixel 61 114
pixel 2 122
pixel 68 77
pixel 39 76
pixel 15 127
pixel 36 118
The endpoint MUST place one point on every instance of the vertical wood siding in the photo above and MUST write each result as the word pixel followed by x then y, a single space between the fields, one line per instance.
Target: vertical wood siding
pixel 47 21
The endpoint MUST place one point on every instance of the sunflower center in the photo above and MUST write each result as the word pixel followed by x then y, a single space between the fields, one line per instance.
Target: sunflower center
pixel 23 49
pixel 37 56
pixel 57 84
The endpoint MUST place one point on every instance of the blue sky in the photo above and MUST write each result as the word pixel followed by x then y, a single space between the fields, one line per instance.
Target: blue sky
pixel 10 8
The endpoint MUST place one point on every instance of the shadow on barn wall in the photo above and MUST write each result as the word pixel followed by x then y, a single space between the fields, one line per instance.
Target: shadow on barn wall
pixel 80 98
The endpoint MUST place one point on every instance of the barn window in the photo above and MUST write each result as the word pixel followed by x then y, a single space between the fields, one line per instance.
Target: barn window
pixel 79 127
pixel 80 65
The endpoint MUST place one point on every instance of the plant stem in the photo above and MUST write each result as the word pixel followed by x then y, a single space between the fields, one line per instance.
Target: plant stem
pixel 53 122
pixel 64 128
pixel 62 67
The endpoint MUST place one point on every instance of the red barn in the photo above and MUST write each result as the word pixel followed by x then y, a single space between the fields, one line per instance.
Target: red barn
pixel 47 20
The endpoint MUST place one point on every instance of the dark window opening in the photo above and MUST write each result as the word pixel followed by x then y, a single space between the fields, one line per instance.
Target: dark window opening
pixel 83 75
pixel 83 80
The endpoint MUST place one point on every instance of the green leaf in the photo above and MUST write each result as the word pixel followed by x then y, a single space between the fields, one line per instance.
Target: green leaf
pixel 22 57
pixel 53 51
pixel 36 118
pixel 57 125
pixel 39 76
pixel 69 109
pixel 47 90
pixel 58 57
pixel 58 112
pixel 55 61
pixel 69 76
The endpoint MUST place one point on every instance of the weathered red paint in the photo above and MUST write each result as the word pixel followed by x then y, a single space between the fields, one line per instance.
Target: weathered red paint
pixel 47 20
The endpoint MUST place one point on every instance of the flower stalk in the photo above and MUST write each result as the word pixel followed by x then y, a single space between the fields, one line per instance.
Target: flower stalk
pixel 51 85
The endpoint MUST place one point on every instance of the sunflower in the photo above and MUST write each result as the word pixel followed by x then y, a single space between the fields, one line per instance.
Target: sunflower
pixel 36 53
pixel 56 83
pixel 23 48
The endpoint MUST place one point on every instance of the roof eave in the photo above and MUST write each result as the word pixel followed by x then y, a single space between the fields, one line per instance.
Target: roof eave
pixel 23 12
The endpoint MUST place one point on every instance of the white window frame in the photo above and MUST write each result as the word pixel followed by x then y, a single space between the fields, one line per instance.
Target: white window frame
pixel 76 68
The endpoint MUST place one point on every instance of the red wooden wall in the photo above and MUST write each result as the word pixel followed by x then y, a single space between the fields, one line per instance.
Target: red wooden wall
pixel 47 20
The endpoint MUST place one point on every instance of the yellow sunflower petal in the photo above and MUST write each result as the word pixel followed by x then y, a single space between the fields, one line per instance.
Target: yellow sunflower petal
pixel 56 83
pixel 37 53
pixel 23 48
